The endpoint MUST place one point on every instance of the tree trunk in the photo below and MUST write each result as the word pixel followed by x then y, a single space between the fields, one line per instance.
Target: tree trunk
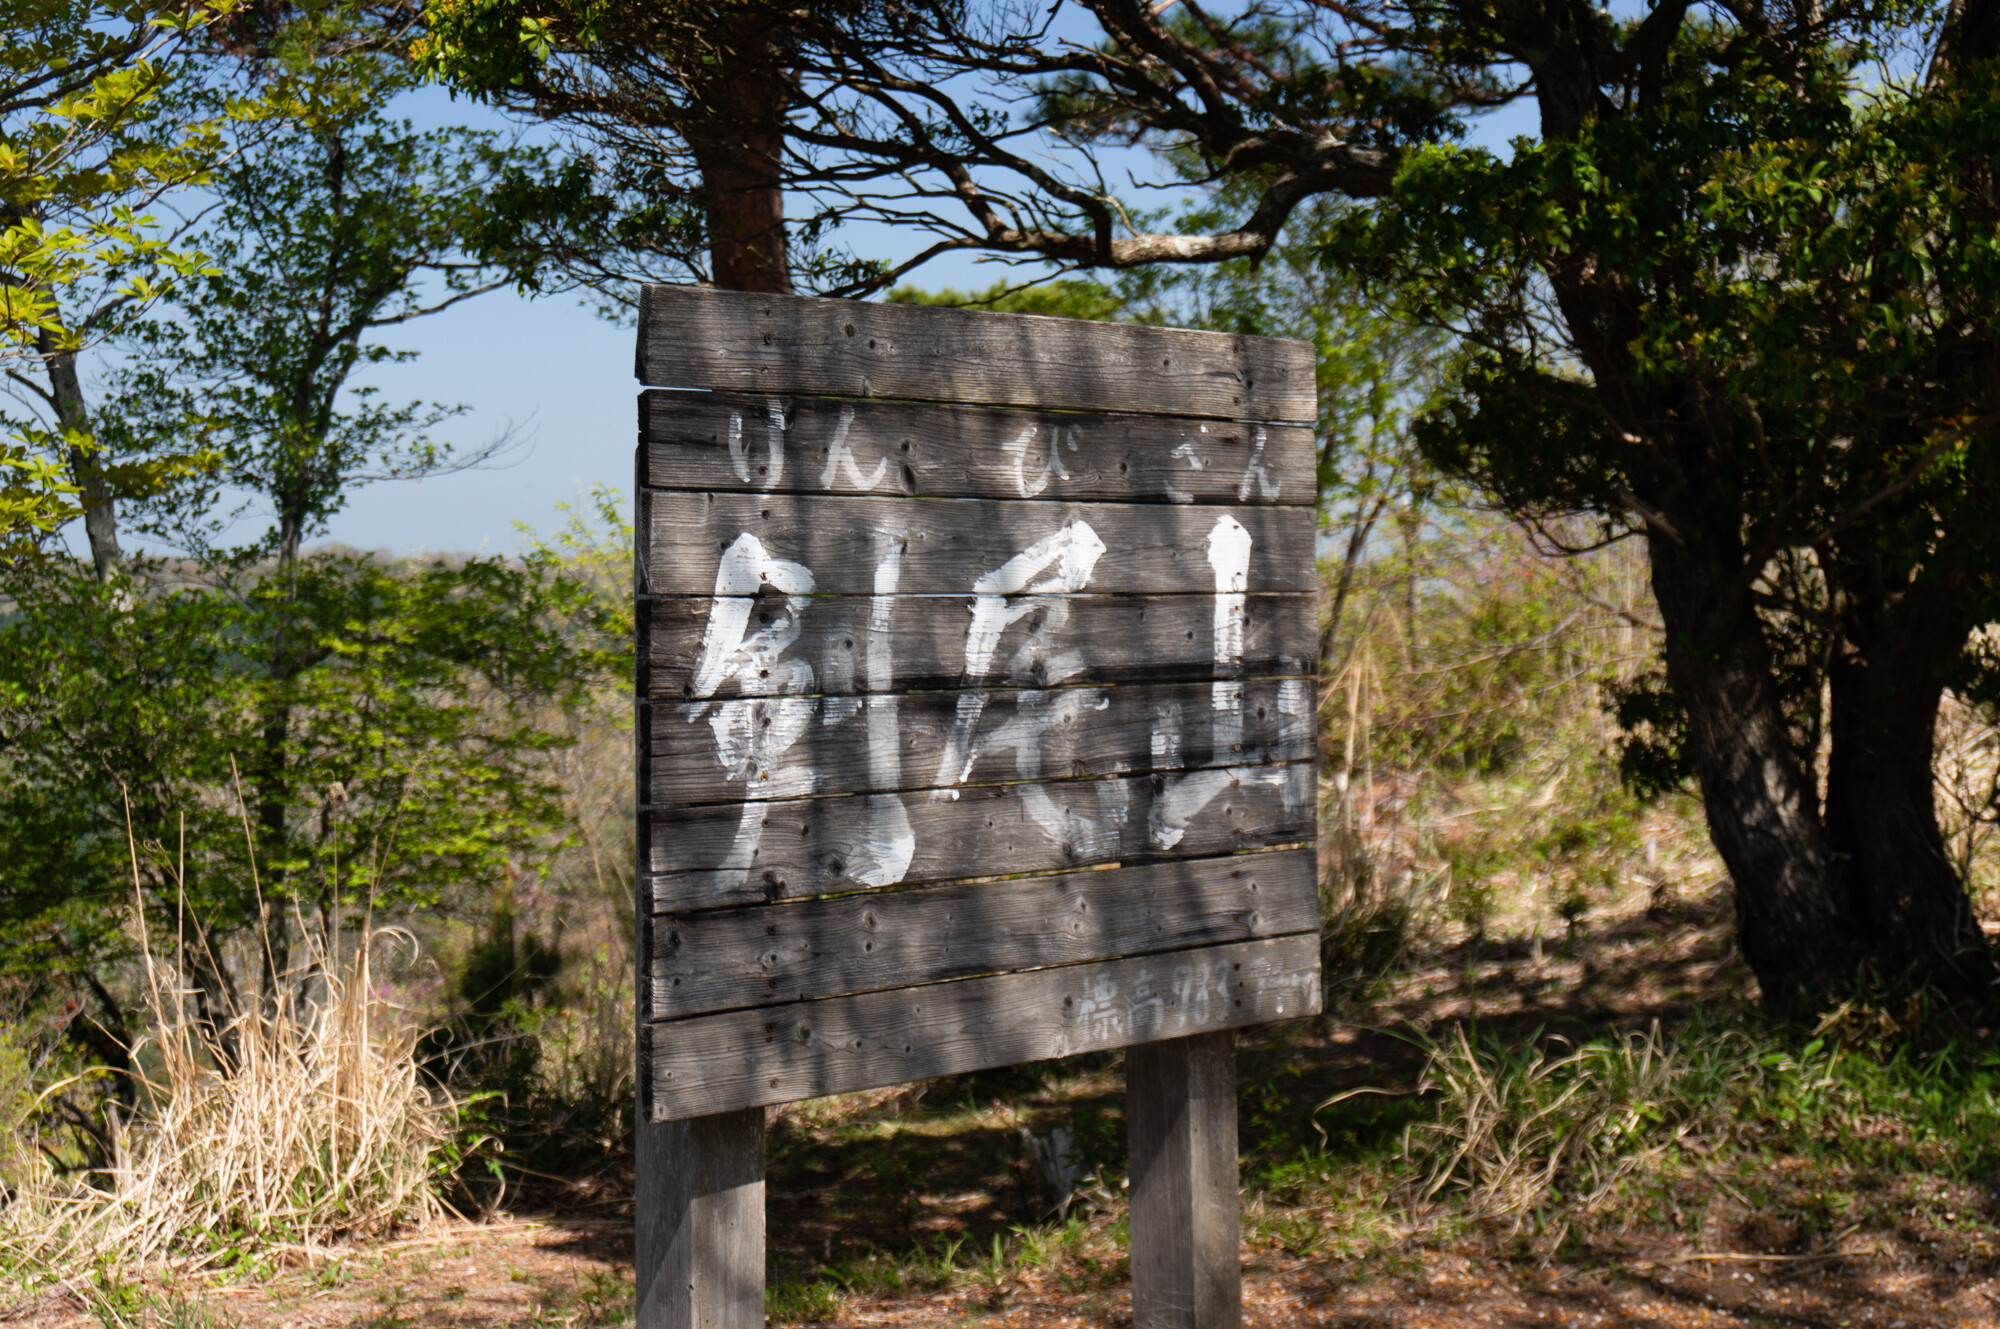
pixel 272 773
pixel 739 147
pixel 1410 523
pixel 1343 586
pixel 1886 682
pixel 100 521
pixel 1794 924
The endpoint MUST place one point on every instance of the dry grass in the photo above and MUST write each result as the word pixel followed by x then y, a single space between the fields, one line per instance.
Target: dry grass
pixel 1516 1126
pixel 298 1126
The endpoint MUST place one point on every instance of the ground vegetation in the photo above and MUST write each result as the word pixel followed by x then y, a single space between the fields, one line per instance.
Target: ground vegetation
pixel 235 756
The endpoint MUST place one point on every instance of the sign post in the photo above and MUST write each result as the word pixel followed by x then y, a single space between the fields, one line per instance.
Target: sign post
pixel 976 726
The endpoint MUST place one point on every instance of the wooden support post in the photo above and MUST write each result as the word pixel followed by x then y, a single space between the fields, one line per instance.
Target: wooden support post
pixel 700 1202
pixel 1180 1122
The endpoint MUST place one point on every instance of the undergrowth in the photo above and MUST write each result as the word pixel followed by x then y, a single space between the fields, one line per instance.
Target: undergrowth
pixel 1555 1135
pixel 297 1124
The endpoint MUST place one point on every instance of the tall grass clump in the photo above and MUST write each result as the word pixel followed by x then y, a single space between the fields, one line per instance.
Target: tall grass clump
pixel 296 1123
pixel 1521 1127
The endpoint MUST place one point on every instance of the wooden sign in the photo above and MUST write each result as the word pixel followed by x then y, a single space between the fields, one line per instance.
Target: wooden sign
pixel 976 695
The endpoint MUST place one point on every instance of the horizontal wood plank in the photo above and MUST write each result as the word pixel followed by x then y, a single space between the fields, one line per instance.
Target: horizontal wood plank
pixel 853 546
pixel 765 955
pixel 727 441
pixel 735 1059
pixel 938 742
pixel 805 847
pixel 695 337
pixel 920 641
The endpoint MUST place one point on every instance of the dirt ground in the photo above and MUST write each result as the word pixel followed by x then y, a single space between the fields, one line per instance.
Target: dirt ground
pixel 552 1273
pixel 884 1207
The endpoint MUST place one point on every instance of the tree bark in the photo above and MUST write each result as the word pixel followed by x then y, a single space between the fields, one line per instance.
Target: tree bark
pixel 738 142
pixel 1797 929
pixel 1886 681
pixel 100 520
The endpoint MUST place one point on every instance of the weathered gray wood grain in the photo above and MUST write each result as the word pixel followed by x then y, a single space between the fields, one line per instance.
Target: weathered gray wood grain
pixel 764 955
pixel 727 441
pixel 778 1054
pixel 1180 1127
pixel 1061 639
pixel 810 846
pixel 698 1206
pixel 943 546
pixel 691 337
pixel 723 752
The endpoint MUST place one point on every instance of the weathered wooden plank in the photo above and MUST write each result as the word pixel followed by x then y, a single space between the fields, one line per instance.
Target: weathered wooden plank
pixel 806 847
pixel 698 1211
pixel 764 955
pixel 763 748
pixel 1180 1128
pixel 693 337
pixel 731 544
pixel 778 1054
pixel 730 442
pixel 923 640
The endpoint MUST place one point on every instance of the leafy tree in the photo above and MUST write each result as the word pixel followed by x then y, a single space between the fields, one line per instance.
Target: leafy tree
pixel 135 714
pixel 360 223
pixel 286 735
pixel 92 133
pixel 333 226
pixel 1736 300
pixel 1739 314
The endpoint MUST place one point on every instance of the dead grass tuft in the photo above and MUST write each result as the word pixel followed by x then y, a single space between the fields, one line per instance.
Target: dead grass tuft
pixel 299 1125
